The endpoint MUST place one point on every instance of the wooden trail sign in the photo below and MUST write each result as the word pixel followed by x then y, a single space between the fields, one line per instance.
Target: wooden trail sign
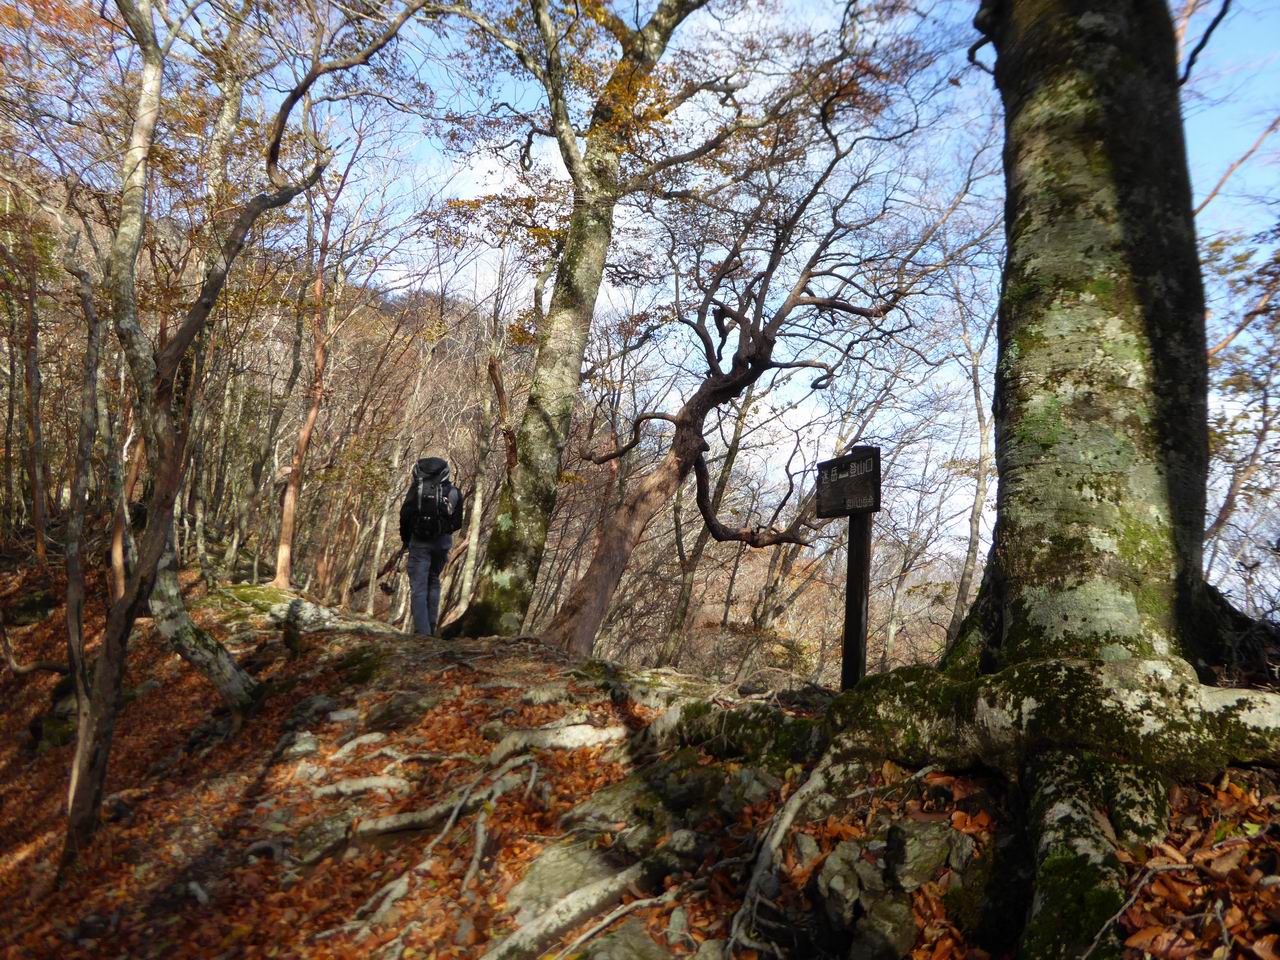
pixel 849 486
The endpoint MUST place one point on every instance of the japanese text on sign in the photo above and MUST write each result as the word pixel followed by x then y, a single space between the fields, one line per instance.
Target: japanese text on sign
pixel 850 484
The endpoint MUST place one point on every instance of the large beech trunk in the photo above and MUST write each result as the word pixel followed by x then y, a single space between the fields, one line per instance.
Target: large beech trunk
pixel 1101 380
pixel 504 584
pixel 1100 423
pixel 1073 671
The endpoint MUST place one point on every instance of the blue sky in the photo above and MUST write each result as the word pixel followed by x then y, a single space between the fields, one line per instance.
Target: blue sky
pixel 1234 93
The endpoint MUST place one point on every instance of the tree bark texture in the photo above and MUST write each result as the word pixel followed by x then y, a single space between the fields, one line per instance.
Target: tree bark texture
pixel 1071 672
pixel 506 579
pixel 1101 380
pixel 504 585
pixel 194 645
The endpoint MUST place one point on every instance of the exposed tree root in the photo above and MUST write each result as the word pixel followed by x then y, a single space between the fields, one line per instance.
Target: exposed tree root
pixel 1082 809
pixel 504 775
pixel 619 912
pixel 821 779
pixel 377 909
pixel 1153 712
pixel 352 746
pixel 449 810
pixel 21 669
pixel 566 738
pixel 478 847
pixel 767 851
pixel 534 938
pixel 358 785
pixel 1088 740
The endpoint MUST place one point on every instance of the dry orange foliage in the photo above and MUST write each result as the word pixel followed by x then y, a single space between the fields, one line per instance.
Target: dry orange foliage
pixel 1208 890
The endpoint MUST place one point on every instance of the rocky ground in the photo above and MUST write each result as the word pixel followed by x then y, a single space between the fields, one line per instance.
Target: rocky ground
pixel 401 797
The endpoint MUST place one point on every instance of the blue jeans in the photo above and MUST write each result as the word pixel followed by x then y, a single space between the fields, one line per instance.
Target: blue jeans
pixel 426 561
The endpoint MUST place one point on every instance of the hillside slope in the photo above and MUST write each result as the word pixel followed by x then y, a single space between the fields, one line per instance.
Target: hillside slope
pixel 403 797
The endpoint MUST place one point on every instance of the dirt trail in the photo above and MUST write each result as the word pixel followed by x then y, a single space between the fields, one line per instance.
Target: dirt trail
pixel 404 797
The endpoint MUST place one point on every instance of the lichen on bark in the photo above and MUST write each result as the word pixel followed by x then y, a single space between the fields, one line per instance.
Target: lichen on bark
pixel 1073 673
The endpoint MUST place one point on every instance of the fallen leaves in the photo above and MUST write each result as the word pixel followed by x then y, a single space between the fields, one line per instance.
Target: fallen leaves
pixel 1209 889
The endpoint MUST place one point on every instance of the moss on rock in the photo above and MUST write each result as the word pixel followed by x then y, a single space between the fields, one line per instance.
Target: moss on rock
pixel 361 665
pixel 755 732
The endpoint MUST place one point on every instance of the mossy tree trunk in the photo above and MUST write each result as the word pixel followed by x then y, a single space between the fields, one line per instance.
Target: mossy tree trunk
pixel 1073 671
pixel 505 581
pixel 1101 403
pixel 1101 380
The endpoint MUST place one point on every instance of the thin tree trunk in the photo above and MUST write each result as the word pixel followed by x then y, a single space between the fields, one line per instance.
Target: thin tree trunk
pixel 393 494
pixel 892 623
pixel 123 549
pixel 10 495
pixel 97 716
pixel 476 506
pixel 376 558
pixel 293 486
pixel 37 468
pixel 965 584
pixel 257 486
pixel 733 580
pixel 88 428
pixel 218 487
pixel 1243 471
pixel 319 361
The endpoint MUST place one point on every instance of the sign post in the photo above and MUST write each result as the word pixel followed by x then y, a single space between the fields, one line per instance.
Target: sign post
pixel 849 486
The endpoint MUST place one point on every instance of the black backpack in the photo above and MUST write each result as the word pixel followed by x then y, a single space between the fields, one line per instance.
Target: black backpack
pixel 432 501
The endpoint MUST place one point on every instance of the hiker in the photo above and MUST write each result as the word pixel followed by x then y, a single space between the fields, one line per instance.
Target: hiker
pixel 431 512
